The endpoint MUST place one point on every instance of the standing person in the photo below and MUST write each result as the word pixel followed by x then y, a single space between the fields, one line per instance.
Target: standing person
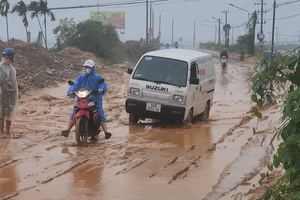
pixel 176 45
pixel 89 81
pixel 9 92
pixel 224 53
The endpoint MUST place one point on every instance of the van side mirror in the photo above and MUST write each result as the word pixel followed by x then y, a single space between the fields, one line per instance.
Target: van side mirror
pixel 194 81
pixel 129 71
pixel 70 82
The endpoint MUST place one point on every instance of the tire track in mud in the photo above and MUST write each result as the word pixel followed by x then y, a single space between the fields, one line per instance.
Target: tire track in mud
pixel 129 168
pixel 49 179
pixel 9 163
pixel 184 171
pixel 77 165
pixel 171 161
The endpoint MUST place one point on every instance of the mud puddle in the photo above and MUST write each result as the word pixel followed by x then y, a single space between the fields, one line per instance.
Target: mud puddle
pixel 209 160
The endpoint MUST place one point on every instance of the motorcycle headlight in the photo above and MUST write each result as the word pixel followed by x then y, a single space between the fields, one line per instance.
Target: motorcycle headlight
pixel 134 91
pixel 178 98
pixel 82 94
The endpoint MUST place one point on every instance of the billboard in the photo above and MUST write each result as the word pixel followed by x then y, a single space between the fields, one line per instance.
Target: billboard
pixel 114 18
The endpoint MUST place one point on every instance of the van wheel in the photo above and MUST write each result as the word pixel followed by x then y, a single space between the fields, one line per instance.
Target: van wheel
pixel 189 120
pixel 205 114
pixel 133 119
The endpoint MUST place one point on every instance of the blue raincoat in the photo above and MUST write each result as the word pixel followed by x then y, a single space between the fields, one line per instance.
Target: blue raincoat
pixel 89 81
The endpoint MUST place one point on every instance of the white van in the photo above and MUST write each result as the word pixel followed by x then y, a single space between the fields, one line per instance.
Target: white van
pixel 171 84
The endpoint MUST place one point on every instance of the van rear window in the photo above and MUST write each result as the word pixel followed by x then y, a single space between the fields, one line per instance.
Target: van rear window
pixel 162 70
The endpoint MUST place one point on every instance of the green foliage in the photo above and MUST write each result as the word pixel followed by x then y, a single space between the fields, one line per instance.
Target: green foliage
pixel 40 8
pixel 4 7
pixel 89 35
pixel 245 42
pixel 22 10
pixel 65 31
pixel 269 80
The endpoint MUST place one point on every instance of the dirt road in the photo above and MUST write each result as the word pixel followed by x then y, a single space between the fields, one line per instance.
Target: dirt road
pixel 210 160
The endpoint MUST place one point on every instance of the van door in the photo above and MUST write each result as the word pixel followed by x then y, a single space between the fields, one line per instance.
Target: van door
pixel 193 89
pixel 203 83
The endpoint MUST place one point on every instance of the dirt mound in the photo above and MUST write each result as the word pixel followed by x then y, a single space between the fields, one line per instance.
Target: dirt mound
pixel 131 51
pixel 38 68
pixel 75 53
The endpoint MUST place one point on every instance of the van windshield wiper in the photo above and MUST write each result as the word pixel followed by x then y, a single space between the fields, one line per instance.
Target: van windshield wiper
pixel 165 82
pixel 144 79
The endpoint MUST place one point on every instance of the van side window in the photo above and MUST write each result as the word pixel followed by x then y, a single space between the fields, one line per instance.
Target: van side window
pixel 194 70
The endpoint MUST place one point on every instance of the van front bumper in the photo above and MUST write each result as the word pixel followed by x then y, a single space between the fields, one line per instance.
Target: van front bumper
pixel 137 107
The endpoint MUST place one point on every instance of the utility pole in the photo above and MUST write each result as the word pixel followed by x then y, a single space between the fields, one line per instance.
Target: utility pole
pixel 225 12
pixel 226 26
pixel 219 24
pixel 219 36
pixel 261 35
pixel 147 21
pixel 273 28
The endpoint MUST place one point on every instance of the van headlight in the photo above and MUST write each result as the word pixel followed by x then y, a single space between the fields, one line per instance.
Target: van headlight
pixel 178 98
pixel 134 91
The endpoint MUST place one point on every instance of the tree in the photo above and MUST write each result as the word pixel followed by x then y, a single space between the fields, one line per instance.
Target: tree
pixel 65 33
pixel 41 8
pixel 4 7
pixel 269 81
pixel 22 9
pixel 89 35
pixel 97 38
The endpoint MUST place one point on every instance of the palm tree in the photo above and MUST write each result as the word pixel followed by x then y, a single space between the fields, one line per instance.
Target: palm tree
pixel 22 9
pixel 41 8
pixel 4 7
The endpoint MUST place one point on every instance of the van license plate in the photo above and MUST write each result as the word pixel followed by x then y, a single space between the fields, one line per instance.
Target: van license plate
pixel 154 107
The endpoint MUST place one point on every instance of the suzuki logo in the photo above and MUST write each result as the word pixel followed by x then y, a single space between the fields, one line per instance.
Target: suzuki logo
pixel 152 87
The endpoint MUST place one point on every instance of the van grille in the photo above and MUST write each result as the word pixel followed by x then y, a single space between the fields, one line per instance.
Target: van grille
pixel 156 95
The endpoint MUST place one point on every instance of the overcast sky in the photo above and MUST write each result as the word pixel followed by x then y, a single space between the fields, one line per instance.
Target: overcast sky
pixel 184 14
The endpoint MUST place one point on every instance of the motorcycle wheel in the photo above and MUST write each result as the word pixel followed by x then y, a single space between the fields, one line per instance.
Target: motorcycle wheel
pixel 81 130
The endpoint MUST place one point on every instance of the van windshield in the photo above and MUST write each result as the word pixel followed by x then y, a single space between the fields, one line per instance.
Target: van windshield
pixel 162 70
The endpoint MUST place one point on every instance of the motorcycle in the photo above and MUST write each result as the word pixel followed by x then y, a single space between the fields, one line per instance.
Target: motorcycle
pixel 223 61
pixel 85 115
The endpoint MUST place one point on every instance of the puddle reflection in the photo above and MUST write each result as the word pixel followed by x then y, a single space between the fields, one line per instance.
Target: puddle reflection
pixel 8 175
pixel 86 181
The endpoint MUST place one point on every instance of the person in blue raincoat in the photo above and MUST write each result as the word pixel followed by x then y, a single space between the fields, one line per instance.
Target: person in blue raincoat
pixel 89 81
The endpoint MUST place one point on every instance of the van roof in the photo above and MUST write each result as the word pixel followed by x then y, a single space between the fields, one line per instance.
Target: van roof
pixel 178 54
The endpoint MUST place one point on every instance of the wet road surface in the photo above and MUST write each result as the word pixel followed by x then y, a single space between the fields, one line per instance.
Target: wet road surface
pixel 209 160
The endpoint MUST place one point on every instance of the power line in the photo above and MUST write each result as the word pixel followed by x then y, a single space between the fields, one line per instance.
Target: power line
pixel 104 5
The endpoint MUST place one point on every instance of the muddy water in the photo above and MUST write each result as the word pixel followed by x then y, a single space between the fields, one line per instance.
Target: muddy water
pixel 209 160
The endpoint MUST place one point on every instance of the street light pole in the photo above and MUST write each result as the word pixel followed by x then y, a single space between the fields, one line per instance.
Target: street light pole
pixel 219 38
pixel 159 32
pixel 240 9
pixel 173 26
pixel 194 36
